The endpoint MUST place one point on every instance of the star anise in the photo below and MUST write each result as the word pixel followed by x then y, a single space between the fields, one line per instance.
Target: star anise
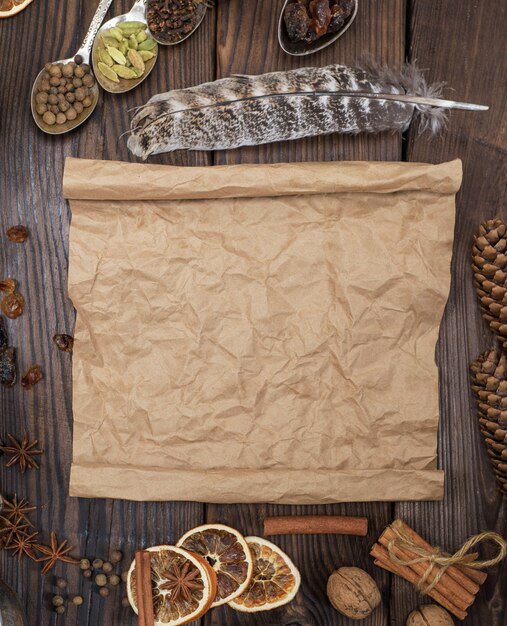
pixel 181 582
pixel 12 529
pixel 22 453
pixel 23 546
pixel 54 553
pixel 17 509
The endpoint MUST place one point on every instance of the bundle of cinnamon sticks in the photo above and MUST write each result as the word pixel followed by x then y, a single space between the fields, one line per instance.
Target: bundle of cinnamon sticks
pixel 455 590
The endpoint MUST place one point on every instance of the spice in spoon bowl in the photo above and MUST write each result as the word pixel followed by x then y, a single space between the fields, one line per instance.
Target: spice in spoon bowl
pixel 64 95
pixel 305 27
pixel 124 52
pixel 172 21
pixel 68 82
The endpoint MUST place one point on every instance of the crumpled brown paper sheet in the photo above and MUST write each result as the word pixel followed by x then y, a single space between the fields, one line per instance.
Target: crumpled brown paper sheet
pixel 258 333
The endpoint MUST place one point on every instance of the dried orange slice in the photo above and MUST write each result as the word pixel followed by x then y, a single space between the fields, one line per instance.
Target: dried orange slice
pixel 184 585
pixel 227 552
pixel 275 579
pixel 11 7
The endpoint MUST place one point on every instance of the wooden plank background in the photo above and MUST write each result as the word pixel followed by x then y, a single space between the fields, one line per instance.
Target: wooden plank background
pixel 460 41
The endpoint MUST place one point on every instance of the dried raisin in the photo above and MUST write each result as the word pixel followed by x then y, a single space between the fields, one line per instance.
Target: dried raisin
pixel 12 305
pixel 32 377
pixel 65 343
pixel 18 234
pixel 8 285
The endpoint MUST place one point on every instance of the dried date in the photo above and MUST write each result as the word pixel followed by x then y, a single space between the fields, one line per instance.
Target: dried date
pixel 297 21
pixel 32 377
pixel 8 285
pixel 12 305
pixel 18 234
pixel 340 13
pixel 8 370
pixel 308 20
pixel 65 343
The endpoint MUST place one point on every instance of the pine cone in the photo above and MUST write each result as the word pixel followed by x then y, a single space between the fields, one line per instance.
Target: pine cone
pixel 489 256
pixel 489 382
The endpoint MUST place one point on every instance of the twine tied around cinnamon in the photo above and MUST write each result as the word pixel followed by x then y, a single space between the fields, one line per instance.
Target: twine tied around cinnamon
pixel 443 560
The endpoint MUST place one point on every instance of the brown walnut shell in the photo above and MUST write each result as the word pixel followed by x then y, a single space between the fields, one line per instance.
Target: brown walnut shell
pixel 430 615
pixel 353 592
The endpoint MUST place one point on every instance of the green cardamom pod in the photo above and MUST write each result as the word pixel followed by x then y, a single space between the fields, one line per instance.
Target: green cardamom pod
pixel 108 72
pixel 141 36
pixel 116 55
pixel 146 55
pixel 133 42
pixel 109 41
pixel 131 26
pixel 136 59
pixel 116 33
pixel 106 58
pixel 149 44
pixel 124 72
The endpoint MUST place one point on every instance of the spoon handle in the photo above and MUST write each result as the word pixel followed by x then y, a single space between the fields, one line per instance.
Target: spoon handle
pixel 97 20
pixel 139 7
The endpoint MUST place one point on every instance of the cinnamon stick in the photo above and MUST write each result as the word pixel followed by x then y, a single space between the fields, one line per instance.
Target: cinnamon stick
pixel 144 590
pixel 467 577
pixel 447 586
pixel 316 525
pixel 382 560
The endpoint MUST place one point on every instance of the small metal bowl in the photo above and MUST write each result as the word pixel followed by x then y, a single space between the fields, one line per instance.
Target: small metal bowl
pixel 301 48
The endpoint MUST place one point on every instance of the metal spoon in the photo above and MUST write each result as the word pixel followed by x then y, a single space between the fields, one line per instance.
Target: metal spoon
pixel 204 5
pixel 136 14
pixel 302 48
pixel 84 52
pixel 11 613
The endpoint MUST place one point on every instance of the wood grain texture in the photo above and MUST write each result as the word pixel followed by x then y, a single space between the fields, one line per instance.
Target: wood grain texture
pixel 462 42
pixel 474 64
pixel 31 168
pixel 380 30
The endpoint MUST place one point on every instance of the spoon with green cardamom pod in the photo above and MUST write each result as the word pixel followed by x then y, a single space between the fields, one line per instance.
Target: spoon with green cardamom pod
pixel 124 52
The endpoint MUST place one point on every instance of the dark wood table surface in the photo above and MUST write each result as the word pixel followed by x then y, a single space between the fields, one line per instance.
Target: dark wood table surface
pixel 458 41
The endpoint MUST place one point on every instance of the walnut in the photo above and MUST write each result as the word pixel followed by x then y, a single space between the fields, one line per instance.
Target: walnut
pixel 353 592
pixel 430 615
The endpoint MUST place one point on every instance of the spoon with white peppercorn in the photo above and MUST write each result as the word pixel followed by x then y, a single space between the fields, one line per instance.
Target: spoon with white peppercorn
pixel 65 93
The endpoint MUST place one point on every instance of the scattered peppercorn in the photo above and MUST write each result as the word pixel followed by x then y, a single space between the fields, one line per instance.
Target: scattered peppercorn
pixel 32 376
pixel 116 556
pixel 101 580
pixel 87 573
pixel 125 576
pixel 12 305
pixel 84 564
pixel 65 343
pixel 114 580
pixel 60 610
pixel 104 592
pixel 18 234
pixel 57 601
pixel 61 583
pixel 77 600
pixel 98 563
pixel 107 567
pixel 125 603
